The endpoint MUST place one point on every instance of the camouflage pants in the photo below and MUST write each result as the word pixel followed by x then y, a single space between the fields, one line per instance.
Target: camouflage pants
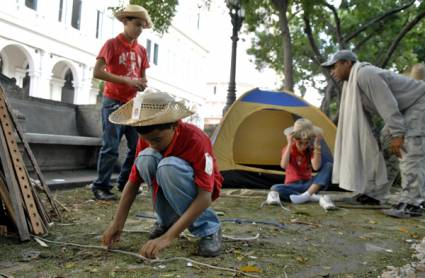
pixel 412 163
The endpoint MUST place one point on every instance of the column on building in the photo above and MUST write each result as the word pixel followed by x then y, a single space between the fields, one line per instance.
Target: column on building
pixel 84 93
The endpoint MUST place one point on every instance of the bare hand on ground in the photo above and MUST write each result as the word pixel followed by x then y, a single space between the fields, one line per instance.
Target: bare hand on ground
pixel 110 236
pixel 152 248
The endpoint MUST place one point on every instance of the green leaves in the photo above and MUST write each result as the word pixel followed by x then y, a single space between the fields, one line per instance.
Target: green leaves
pixel 161 12
pixel 370 44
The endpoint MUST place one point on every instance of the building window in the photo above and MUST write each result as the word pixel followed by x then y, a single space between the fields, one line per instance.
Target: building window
pixel 60 10
pixel 76 14
pixel 32 4
pixel 148 49
pixel 155 54
pixel 99 23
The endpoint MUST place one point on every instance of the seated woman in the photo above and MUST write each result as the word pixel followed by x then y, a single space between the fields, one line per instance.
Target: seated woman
pixel 300 157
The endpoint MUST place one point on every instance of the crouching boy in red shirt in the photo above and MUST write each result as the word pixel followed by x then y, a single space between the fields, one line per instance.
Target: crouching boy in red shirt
pixel 175 159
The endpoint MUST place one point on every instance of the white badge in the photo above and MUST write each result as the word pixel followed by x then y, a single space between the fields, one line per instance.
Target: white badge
pixel 208 164
pixel 137 105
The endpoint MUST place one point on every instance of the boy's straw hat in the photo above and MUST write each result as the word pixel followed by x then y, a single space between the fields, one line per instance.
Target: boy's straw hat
pixel 134 11
pixel 303 129
pixel 156 108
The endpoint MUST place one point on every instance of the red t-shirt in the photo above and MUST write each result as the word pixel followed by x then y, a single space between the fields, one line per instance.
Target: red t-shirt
pixel 125 59
pixel 299 166
pixel 192 145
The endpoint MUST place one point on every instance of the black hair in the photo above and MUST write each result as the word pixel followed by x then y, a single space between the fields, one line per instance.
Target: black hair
pixel 148 129
pixel 131 17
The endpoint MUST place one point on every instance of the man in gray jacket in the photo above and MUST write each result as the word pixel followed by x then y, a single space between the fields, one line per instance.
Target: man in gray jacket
pixel 400 102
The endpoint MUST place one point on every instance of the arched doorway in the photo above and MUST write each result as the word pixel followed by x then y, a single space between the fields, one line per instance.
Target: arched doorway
pixel 62 83
pixel 68 91
pixel 17 63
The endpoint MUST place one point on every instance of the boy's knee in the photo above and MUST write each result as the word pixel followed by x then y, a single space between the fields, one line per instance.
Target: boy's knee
pixel 147 159
pixel 171 168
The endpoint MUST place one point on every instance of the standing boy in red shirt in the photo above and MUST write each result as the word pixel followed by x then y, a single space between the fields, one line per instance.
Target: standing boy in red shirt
pixel 122 63
pixel 176 161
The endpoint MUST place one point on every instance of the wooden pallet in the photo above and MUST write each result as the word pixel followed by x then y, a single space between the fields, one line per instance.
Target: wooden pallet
pixel 17 193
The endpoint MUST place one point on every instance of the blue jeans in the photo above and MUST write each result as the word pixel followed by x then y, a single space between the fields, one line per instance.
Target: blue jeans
pixel 176 191
pixel 108 155
pixel 322 178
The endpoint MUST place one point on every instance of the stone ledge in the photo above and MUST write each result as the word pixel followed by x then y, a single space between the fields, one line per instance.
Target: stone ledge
pixel 56 139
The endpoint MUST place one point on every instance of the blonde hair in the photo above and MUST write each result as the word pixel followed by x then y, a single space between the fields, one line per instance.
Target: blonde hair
pixel 418 71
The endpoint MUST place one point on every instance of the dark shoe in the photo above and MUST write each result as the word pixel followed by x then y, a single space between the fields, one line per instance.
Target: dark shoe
pixel 121 188
pixel 210 246
pixel 403 210
pixel 157 231
pixel 362 199
pixel 104 195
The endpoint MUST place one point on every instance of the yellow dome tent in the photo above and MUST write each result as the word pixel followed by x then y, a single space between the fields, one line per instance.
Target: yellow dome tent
pixel 249 140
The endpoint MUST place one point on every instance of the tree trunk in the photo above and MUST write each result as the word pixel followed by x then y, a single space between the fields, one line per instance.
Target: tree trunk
pixel 282 6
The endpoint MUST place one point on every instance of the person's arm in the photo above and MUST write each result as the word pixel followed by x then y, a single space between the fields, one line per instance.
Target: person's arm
pixel 199 204
pixel 100 72
pixel 284 161
pixel 316 160
pixel 113 232
pixel 379 93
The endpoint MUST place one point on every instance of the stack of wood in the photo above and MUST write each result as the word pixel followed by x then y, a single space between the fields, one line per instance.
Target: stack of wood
pixel 22 209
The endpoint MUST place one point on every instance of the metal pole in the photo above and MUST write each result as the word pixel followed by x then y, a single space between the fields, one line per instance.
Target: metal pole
pixel 236 23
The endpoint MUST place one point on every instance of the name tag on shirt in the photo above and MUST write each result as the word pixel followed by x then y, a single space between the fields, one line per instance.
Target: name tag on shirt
pixel 208 164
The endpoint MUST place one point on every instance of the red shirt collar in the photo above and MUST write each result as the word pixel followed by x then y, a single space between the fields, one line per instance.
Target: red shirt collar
pixel 121 38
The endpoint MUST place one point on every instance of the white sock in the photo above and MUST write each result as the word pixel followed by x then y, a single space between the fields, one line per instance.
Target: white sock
pixel 315 197
pixel 299 199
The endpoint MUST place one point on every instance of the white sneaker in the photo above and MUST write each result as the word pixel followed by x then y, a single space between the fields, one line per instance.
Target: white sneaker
pixel 273 198
pixel 326 203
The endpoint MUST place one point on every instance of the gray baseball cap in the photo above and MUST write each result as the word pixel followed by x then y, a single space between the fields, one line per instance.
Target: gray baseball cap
pixel 340 55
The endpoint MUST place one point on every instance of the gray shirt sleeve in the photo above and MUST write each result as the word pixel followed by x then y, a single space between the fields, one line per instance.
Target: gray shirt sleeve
pixel 377 91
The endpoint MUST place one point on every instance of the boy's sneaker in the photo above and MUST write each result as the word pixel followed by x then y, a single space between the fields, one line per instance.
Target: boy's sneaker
pixel 326 203
pixel 104 195
pixel 121 188
pixel 403 210
pixel 157 231
pixel 210 246
pixel 273 198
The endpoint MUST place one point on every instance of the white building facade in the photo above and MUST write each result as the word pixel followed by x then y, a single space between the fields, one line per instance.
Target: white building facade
pixel 50 48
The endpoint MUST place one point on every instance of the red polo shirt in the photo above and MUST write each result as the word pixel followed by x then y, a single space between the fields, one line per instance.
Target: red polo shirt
pixel 194 146
pixel 299 166
pixel 124 59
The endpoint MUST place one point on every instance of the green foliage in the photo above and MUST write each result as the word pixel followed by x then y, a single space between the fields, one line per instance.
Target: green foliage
pixel 262 20
pixel 161 12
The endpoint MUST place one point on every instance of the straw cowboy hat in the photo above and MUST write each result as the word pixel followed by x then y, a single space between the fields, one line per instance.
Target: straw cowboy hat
pixel 155 108
pixel 134 11
pixel 303 129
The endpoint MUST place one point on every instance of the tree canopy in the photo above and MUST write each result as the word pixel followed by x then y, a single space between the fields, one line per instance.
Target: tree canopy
pixel 387 33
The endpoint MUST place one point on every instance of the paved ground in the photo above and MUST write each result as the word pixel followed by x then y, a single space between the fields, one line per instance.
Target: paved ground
pixel 308 242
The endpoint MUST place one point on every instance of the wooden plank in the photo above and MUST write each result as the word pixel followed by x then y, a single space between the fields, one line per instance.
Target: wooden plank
pixel 14 192
pixel 20 170
pixel 4 195
pixel 30 154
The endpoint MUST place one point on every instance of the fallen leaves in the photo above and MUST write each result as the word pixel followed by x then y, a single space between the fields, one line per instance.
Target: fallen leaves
pixel 250 268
